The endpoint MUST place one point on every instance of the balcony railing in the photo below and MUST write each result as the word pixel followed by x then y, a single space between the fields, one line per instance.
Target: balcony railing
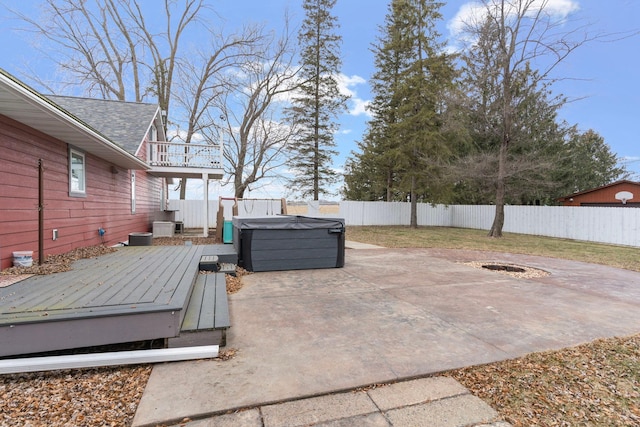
pixel 181 155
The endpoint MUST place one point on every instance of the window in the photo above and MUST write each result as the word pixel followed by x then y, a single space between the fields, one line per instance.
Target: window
pixel 77 173
pixel 153 133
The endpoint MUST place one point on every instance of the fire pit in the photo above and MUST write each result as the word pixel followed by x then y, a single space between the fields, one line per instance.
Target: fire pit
pixel 519 271
pixel 502 267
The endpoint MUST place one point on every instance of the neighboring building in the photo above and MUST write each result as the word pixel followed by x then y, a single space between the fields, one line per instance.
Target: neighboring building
pixel 105 165
pixel 623 193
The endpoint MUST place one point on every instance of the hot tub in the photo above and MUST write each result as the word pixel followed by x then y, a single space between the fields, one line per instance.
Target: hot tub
pixel 286 242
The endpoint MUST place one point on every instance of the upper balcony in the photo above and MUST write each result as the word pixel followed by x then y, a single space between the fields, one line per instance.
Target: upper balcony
pixel 180 160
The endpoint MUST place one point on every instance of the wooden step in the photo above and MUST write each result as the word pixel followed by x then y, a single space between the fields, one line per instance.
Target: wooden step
pixel 208 308
pixel 225 253
pixel 209 263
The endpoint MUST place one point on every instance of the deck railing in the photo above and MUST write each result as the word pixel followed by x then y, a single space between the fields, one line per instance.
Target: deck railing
pixel 179 154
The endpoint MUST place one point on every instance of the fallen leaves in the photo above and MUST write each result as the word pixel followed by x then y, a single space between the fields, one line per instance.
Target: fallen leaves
pixel 227 354
pixel 234 283
pixel 87 397
pixel 593 384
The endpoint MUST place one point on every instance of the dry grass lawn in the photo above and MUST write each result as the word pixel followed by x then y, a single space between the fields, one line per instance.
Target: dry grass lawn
pixel 462 238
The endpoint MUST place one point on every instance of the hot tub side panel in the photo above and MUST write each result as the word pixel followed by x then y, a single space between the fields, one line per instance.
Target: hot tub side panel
pixel 290 249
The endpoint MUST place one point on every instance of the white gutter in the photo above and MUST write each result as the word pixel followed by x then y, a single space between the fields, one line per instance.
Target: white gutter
pixel 76 361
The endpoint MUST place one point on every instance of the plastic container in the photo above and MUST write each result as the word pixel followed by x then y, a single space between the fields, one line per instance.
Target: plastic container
pixel 227 232
pixel 23 258
pixel 163 228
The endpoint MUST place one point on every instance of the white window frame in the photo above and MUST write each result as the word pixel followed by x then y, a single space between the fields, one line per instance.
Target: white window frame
pixel 81 190
pixel 153 134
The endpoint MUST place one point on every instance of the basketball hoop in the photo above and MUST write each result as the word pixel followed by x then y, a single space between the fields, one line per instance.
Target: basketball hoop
pixel 624 196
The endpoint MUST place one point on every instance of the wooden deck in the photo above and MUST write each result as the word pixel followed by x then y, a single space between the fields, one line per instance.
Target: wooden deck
pixel 135 294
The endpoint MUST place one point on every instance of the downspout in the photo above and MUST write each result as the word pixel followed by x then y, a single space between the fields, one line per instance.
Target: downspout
pixel 40 212
pixel 205 186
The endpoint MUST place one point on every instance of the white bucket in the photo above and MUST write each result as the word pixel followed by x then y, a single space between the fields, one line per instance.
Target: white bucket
pixel 23 259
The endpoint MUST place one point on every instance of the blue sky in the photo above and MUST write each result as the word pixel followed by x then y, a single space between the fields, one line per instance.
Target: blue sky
pixel 604 76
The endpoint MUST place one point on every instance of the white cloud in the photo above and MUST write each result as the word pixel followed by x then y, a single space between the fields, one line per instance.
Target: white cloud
pixel 468 14
pixel 346 82
pixel 471 13
pixel 181 135
pixel 360 107
pixel 559 8
pixel 346 86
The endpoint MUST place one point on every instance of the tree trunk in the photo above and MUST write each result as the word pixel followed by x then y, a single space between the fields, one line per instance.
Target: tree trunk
pixel 414 204
pixel 238 185
pixel 498 220
pixel 316 169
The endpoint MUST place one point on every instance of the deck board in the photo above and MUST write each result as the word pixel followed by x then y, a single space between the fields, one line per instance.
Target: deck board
pixel 192 315
pixel 222 319
pixel 136 293
pixel 207 311
pixel 188 270
pixel 208 308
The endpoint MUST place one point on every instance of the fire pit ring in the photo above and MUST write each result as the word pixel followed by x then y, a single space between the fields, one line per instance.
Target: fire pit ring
pixel 503 267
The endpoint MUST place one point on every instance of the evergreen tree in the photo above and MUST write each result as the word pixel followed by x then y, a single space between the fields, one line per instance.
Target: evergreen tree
pixel 588 163
pixel 412 81
pixel 317 106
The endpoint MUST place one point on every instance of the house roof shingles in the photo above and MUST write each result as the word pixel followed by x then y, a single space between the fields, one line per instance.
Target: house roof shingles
pixel 126 123
pixel 23 104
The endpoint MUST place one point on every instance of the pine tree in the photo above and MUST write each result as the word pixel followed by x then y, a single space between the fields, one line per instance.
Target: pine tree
pixel 588 163
pixel 412 80
pixel 317 106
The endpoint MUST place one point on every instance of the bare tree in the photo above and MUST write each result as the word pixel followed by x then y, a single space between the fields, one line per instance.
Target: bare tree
pixel 517 35
pixel 111 48
pixel 252 113
pixel 204 82
pixel 108 48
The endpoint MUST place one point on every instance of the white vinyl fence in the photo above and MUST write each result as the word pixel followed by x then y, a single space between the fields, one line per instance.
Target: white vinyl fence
pixel 191 212
pixel 619 226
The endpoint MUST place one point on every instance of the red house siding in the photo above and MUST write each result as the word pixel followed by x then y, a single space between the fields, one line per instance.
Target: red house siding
pixel 107 203
pixel 605 196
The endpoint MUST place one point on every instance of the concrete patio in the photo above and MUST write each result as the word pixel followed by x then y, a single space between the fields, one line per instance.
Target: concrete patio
pixel 389 315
